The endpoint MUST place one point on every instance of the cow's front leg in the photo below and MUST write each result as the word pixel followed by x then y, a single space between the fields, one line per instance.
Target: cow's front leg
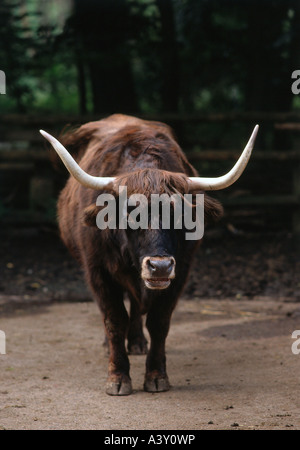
pixel 109 296
pixel 118 381
pixel 158 323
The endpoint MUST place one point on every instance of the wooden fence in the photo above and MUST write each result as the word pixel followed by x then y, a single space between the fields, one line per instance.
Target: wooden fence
pixel 29 185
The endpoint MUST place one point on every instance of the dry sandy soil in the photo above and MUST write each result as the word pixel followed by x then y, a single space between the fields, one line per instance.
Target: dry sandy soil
pixel 230 365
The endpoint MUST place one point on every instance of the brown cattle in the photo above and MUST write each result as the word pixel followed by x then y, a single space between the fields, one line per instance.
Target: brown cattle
pixel 150 265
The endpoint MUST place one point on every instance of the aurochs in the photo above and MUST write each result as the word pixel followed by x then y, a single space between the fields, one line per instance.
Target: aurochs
pixel 149 265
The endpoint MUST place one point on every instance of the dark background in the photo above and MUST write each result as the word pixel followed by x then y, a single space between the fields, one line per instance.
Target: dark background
pixel 211 69
pixel 149 56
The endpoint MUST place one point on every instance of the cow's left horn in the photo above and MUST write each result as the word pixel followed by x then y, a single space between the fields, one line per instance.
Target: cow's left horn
pixel 214 184
pixel 84 178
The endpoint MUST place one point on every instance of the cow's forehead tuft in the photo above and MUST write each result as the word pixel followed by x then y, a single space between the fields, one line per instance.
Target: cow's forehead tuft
pixel 149 181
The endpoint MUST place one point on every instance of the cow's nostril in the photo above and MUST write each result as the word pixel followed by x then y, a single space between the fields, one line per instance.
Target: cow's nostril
pixel 151 264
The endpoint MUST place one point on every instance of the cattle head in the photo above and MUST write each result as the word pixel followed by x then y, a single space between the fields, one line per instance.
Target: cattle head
pixel 149 213
pixel 155 251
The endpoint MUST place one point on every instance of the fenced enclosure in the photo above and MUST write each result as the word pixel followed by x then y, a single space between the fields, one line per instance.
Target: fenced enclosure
pixel 266 196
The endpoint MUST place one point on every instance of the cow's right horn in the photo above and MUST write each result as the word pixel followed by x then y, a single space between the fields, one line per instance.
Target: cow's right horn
pixel 213 184
pixel 80 175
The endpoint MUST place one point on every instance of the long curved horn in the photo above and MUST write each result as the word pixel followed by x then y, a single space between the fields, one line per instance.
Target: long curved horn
pixel 214 184
pixel 81 176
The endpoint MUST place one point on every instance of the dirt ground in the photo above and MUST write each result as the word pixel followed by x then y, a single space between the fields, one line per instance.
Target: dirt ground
pixel 230 365
pixel 229 355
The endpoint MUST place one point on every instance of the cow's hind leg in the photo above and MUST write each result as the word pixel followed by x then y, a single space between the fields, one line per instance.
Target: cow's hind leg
pixel 137 343
pixel 158 322
pixel 109 297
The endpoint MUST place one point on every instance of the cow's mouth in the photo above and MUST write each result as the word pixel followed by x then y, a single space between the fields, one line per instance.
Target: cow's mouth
pixel 157 283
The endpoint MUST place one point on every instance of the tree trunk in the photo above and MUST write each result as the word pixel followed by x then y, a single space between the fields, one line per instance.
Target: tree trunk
pixel 169 57
pixel 105 29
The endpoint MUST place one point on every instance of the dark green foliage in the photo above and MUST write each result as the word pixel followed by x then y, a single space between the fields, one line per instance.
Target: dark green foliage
pixel 136 56
pixel 15 49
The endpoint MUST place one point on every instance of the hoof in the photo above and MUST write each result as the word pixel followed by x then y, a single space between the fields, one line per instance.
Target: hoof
pixel 138 348
pixel 119 387
pixel 156 383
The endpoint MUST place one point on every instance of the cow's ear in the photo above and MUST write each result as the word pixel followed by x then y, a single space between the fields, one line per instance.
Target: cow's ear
pixel 89 215
pixel 213 210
